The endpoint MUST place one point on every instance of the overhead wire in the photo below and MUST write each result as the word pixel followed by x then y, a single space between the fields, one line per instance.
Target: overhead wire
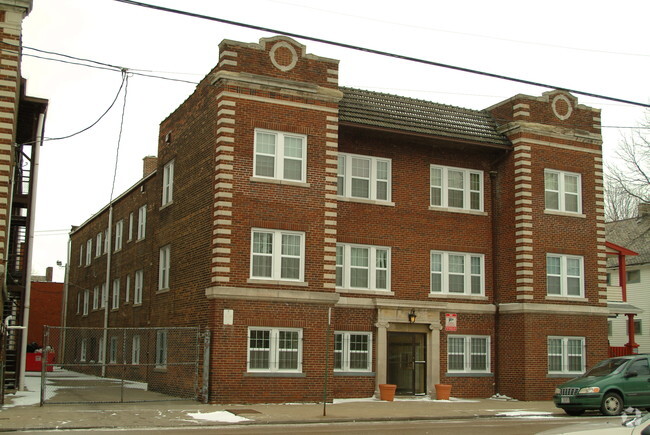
pixel 380 52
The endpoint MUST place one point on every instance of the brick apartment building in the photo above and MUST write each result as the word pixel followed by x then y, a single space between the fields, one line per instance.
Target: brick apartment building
pixel 320 230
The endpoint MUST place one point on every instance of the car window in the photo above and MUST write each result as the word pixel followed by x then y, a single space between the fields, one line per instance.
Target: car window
pixel 640 366
pixel 606 367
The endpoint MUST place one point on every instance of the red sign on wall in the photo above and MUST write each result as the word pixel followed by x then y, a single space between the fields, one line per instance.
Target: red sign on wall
pixel 450 322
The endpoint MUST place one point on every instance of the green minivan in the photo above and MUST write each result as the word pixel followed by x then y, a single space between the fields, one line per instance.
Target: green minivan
pixel 611 386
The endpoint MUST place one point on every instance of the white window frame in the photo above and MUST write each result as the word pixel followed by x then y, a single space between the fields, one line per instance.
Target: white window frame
pixel 561 191
pixel 564 275
pixel 279 156
pixel 142 222
pixel 116 294
pixel 127 289
pixel 101 350
pixel 81 255
pixel 344 266
pixel 467 352
pixel 86 301
pixel 104 301
pixel 131 218
pixel 89 252
pixel 106 241
pixel 112 351
pixel 96 297
pixel 138 284
pixel 564 355
pixel 84 350
pixel 98 245
pixel 119 228
pixel 346 176
pixel 277 255
pixel 168 183
pixel 345 351
pixel 444 188
pixel 445 273
pixel 274 350
pixel 163 267
pixel 135 350
pixel 161 348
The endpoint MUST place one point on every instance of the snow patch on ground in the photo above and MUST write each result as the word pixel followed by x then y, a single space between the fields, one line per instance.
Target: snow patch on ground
pixel 520 413
pixel 218 416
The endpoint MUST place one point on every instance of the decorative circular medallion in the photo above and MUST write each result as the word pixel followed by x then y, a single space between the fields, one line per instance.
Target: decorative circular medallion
pixel 283 56
pixel 562 107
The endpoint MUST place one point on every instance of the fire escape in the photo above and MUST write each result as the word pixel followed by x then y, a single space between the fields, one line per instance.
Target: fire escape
pixel 18 242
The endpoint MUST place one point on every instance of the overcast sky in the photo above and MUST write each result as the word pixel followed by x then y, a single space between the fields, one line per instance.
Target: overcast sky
pixel 593 46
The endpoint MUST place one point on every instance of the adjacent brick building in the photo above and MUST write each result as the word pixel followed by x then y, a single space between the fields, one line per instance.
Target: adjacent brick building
pixel 320 230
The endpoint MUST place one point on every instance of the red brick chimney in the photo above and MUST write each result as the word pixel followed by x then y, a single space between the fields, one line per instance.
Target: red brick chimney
pixel 150 163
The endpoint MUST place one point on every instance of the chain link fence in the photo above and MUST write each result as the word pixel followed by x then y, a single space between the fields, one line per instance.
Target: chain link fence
pixel 115 365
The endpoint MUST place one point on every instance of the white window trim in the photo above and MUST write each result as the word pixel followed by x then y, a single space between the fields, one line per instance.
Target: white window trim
pixel 138 284
pixel 127 289
pixel 98 245
pixel 345 351
pixel 104 300
pixel 112 351
pixel 564 276
pixel 279 156
pixel 142 222
pixel 565 355
pixel 106 241
pixel 467 353
pixel 276 256
pixel 115 304
pixel 81 255
pixel 89 252
pixel 467 273
pixel 345 177
pixel 131 218
pixel 86 302
pixel 84 350
pixel 562 192
pixel 96 297
pixel 168 183
pixel 135 350
pixel 163 267
pixel 372 267
pixel 274 350
pixel 119 228
pixel 161 344
pixel 444 194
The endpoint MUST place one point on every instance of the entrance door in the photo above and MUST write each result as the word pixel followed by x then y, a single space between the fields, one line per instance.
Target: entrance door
pixel 407 362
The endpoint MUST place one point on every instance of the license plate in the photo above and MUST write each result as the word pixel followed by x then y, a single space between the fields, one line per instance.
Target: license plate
pixel 565 399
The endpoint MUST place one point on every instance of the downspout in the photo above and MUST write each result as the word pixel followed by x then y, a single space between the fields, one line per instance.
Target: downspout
pixel 30 248
pixel 108 281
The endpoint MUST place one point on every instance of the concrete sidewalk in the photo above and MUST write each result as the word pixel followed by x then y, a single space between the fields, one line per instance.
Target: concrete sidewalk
pixel 192 414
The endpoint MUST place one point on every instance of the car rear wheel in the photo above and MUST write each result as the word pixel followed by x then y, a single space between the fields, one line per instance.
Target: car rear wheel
pixel 574 411
pixel 612 404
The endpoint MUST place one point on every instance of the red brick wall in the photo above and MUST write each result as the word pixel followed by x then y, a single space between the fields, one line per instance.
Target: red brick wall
pixel 45 308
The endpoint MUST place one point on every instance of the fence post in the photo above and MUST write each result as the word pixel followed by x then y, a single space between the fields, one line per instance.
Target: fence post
pixel 206 366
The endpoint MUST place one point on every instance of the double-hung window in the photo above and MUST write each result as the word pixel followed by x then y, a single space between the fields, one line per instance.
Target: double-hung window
pixel 277 255
pixel 163 267
pixel 564 275
pixel 161 348
pixel 106 241
pixel 130 227
pixel 168 183
pixel 282 156
pixel 456 188
pixel 142 221
pixel 104 300
pixel 274 350
pixel 135 350
pixel 116 294
pixel 457 273
pixel 84 350
pixel 86 301
pixel 98 246
pixel 364 177
pixel 562 191
pixel 119 228
pixel 468 354
pixel 96 297
pixel 566 355
pixel 112 351
pixel 352 351
pixel 137 287
pixel 89 252
pixel 127 289
pixel 362 267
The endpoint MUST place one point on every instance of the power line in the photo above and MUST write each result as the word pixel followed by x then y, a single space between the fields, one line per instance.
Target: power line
pixel 381 53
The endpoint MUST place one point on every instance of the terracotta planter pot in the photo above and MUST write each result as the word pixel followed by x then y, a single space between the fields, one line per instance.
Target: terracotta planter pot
pixel 387 392
pixel 443 391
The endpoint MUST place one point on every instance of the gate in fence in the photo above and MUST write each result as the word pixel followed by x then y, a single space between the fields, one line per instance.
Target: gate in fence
pixel 114 365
